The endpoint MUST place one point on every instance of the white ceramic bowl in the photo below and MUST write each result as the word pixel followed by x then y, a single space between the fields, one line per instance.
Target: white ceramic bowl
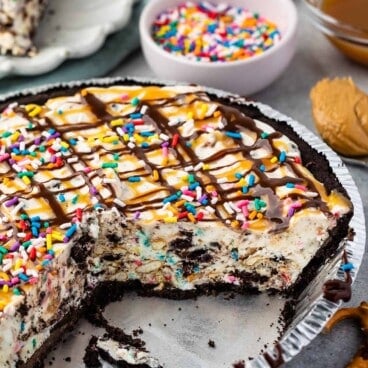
pixel 242 76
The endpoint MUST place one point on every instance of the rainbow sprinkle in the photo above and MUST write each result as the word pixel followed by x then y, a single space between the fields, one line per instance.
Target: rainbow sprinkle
pixel 145 161
pixel 214 33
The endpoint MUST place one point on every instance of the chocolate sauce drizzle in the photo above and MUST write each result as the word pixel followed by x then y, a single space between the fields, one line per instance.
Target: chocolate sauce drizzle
pixel 276 361
pixel 232 119
pixel 335 290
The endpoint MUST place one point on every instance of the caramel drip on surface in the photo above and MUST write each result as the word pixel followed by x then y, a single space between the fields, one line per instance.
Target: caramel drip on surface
pixel 232 120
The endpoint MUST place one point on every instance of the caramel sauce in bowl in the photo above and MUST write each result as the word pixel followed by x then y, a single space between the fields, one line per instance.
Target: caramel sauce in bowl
pixel 344 24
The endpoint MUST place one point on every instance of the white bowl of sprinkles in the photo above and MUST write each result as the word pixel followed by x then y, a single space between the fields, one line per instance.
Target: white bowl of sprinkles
pixel 241 46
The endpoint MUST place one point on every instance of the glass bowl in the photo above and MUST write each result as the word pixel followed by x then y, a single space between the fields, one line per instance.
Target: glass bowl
pixel 350 40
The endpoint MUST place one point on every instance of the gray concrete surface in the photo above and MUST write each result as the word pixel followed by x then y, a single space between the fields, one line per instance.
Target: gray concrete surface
pixel 315 58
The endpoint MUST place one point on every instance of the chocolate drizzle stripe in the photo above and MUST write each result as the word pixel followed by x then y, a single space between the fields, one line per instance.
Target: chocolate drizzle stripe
pixel 336 290
pixel 275 361
pixel 232 119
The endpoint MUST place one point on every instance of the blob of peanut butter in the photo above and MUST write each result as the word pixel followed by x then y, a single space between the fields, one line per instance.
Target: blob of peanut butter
pixel 340 113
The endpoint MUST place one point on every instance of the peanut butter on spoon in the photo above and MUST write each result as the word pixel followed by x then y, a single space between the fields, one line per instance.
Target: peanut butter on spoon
pixel 340 113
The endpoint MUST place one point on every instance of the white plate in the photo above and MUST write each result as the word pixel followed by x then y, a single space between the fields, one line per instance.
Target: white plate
pixel 69 29
pixel 243 327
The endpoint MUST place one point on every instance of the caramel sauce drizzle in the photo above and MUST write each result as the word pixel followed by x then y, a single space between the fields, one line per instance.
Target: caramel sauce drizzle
pixel 232 119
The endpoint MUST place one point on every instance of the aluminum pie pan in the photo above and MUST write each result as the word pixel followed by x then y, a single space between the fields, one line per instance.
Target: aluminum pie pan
pixel 311 317
pixel 312 310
